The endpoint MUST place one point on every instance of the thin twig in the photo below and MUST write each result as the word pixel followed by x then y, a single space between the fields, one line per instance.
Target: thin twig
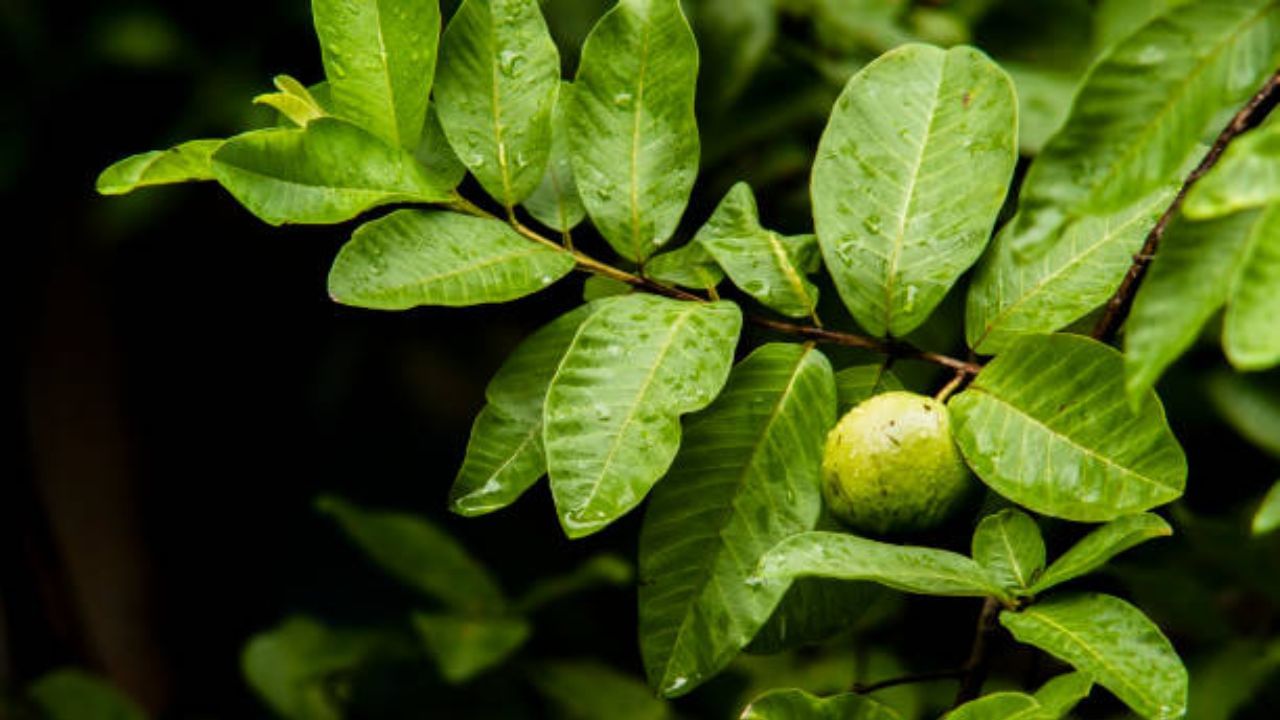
pixel 953 674
pixel 975 668
pixel 815 333
pixel 1253 112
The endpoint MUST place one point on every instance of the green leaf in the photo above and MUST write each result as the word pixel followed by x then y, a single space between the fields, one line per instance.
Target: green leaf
pixel 1190 280
pixel 857 383
pixel 1247 176
pixel 1114 642
pixel 734 38
pixel 922 570
pixel 612 419
pixel 769 267
pixel 689 266
pixel 293 666
pixel 1046 425
pixel 70 694
pixel 1098 547
pixel 327 172
pixel 792 704
pixel 1176 75
pixel 499 73
pixel 414 257
pixel 584 690
pixel 505 454
pixel 1015 292
pixel 1267 517
pixel 1250 333
pixel 555 201
pixel 1044 99
pixel 1249 406
pixel 187 162
pixel 1009 545
pixel 420 555
pixel 463 647
pixel 605 569
pixel 380 58
pixel 293 100
pixel 1052 701
pixel 814 610
pixel 632 132
pixel 436 156
pixel 896 228
pixel 749 468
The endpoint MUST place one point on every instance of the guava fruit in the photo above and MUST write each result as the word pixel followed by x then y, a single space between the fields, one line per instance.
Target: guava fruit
pixel 890 466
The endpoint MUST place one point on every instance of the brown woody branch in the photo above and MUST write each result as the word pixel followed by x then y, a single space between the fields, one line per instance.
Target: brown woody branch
pixel 1249 116
pixel 975 668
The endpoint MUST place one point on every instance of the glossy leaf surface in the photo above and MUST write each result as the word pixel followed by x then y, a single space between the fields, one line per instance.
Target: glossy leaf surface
pixel 187 162
pixel 555 201
pixel 1009 545
pixel 1247 176
pixel 791 704
pixel 1098 547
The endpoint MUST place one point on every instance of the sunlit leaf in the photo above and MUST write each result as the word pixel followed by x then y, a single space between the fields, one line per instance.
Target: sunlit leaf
pixel 895 226
pixel 70 694
pixel 420 555
pixel 1058 696
pixel 433 257
pixel 1098 547
pixel 1267 517
pixel 1046 424
pixel 632 132
pixel 292 100
pixel 555 201
pixel 746 476
pixel 584 690
pixel 1250 330
pixel 1112 641
pixel 1009 545
pixel 496 85
pixel 612 419
pixel 188 162
pixel 842 556
pixel 505 455
pixel 464 647
pixel 1052 701
pixel 327 172
pixel 791 704
pixel 1190 280
pixel 380 59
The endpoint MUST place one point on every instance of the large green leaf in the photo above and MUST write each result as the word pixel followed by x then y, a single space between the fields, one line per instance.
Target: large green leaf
pixel 585 690
pixel 1009 545
pixel 927 571
pixel 896 228
pixel 1114 642
pixel 70 694
pixel 813 610
pixel 187 162
pixel 769 267
pixel 555 202
pixel 1143 110
pixel 1247 176
pixel 505 455
pixel 1015 293
pixel 434 257
pixel 292 666
pixel 464 647
pixel 746 476
pixel 420 555
pixel 1046 425
pixel 632 132
pixel 1251 329
pixel 499 74
pixel 791 704
pixel 612 419
pixel 1190 280
pixel 327 172
pixel 1098 547
pixel 380 58
pixel 859 382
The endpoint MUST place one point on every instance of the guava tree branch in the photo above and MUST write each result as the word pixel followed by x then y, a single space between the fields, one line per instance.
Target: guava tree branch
pixel 586 263
pixel 975 668
pixel 953 674
pixel 1249 116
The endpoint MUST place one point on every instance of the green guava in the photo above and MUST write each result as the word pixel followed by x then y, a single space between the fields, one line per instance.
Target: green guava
pixel 890 466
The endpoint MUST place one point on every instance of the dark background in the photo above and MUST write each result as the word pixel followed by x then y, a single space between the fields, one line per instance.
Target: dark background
pixel 185 388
